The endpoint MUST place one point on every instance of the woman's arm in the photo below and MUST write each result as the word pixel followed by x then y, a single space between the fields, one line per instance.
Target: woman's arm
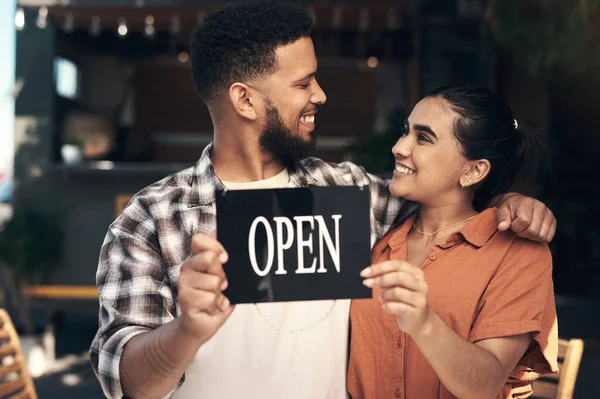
pixel 468 370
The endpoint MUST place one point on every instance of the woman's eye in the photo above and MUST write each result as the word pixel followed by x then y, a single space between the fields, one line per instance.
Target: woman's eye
pixel 422 137
pixel 303 86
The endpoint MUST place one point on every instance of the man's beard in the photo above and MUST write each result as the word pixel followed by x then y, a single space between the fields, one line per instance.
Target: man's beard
pixel 277 139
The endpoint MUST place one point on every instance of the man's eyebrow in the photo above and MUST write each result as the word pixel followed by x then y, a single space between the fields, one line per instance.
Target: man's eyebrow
pixel 308 76
pixel 427 129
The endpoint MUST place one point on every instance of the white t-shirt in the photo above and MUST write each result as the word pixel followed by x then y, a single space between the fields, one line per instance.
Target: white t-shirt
pixel 273 350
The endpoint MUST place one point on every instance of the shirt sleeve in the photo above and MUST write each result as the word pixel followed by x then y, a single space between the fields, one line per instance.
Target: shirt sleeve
pixel 134 291
pixel 518 300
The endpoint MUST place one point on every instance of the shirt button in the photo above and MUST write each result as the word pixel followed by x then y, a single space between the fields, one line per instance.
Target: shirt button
pixel 398 393
pixel 432 256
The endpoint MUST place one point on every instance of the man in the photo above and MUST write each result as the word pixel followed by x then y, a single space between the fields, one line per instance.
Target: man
pixel 160 275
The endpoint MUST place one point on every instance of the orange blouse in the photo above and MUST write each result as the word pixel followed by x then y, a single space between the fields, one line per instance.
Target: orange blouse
pixel 484 284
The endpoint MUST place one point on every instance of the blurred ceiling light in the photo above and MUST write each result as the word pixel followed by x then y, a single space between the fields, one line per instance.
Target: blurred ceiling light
pixel 20 19
pixel 95 28
pixel 183 57
pixel 69 24
pixel 149 29
pixel 122 29
pixel 372 62
pixel 42 19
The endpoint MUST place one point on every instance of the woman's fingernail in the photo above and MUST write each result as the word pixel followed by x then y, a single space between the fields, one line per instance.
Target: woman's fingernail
pixel 366 272
pixel 368 282
pixel 223 257
pixel 381 298
pixel 224 285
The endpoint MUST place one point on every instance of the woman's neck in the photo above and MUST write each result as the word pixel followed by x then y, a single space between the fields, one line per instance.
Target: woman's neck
pixel 432 219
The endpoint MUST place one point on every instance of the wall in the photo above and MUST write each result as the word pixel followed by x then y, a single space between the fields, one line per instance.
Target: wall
pixel 82 200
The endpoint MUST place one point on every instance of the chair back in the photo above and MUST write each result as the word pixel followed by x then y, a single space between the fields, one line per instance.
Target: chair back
pixel 561 385
pixel 15 380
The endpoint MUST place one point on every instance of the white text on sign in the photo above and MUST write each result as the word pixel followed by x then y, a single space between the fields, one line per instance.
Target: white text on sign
pixel 275 242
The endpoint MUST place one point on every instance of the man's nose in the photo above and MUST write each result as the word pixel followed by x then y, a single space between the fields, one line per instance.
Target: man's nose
pixel 319 96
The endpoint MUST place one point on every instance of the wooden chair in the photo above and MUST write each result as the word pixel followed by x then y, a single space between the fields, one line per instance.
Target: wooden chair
pixel 15 380
pixel 561 385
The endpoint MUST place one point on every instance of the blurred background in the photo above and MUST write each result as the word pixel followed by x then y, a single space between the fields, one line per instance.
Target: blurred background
pixel 96 102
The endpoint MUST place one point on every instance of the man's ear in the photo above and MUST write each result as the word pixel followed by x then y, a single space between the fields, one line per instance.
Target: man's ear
pixel 475 173
pixel 244 100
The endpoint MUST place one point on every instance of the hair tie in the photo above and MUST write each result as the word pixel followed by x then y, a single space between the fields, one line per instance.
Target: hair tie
pixel 515 124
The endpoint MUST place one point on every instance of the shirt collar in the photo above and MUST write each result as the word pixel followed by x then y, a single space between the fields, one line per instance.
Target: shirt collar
pixel 478 232
pixel 481 229
pixel 205 183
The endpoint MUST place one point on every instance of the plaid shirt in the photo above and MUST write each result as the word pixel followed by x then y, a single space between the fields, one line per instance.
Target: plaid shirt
pixel 145 246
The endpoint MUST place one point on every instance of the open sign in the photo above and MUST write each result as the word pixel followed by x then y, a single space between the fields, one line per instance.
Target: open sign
pixel 295 244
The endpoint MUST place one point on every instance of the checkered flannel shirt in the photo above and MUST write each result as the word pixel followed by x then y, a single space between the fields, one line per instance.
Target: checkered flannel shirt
pixel 145 246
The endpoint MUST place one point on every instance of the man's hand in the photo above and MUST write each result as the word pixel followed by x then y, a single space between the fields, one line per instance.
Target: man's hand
pixel 204 308
pixel 527 217
pixel 404 293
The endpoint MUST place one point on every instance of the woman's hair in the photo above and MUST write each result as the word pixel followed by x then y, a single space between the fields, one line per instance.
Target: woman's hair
pixel 487 129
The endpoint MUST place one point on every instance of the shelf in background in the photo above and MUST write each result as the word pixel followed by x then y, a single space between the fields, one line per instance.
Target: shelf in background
pixel 121 168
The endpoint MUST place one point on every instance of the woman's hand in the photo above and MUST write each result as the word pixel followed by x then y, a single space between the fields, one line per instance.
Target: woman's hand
pixel 404 294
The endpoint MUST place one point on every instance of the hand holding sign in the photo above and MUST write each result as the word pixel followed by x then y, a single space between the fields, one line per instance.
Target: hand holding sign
pixel 404 293
pixel 204 308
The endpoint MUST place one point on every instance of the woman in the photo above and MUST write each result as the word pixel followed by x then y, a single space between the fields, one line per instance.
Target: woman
pixel 459 308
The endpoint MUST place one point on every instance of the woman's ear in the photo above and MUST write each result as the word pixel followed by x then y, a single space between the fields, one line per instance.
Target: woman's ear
pixel 476 172
pixel 243 99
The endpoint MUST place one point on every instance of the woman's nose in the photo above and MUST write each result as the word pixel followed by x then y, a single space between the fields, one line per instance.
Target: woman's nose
pixel 402 147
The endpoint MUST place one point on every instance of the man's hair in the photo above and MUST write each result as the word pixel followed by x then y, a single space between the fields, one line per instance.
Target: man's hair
pixel 238 43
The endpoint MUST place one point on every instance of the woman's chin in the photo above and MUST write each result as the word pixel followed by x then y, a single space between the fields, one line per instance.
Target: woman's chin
pixel 398 189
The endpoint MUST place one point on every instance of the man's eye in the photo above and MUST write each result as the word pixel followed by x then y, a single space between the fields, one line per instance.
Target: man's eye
pixel 404 131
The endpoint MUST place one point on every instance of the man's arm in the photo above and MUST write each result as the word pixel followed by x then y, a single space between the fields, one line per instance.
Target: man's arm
pixel 526 216
pixel 142 348
pixel 153 363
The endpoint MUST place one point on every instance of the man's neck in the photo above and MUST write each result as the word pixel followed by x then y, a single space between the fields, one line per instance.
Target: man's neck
pixel 242 161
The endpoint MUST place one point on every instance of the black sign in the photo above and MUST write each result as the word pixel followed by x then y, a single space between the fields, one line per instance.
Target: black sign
pixel 295 244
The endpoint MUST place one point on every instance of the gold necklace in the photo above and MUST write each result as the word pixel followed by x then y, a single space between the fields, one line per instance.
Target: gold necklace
pixel 429 235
